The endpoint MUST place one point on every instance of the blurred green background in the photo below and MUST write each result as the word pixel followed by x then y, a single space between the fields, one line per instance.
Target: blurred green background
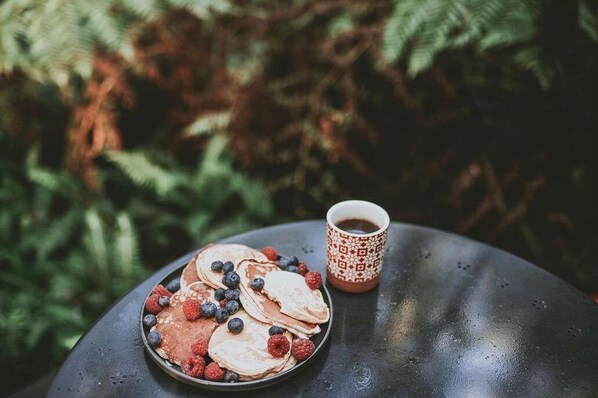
pixel 134 131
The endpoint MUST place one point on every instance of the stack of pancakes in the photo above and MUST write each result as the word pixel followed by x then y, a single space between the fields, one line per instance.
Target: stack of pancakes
pixel 285 300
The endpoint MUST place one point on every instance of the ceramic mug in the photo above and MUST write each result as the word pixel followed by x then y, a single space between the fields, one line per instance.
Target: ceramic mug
pixel 354 260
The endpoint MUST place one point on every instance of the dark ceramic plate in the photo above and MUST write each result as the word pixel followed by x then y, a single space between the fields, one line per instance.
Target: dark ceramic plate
pixel 175 371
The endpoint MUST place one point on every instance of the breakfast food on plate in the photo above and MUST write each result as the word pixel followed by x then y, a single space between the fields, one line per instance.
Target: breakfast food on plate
pixel 230 255
pixel 244 353
pixel 176 331
pixel 189 274
pixel 236 314
pixel 295 297
pixel 261 307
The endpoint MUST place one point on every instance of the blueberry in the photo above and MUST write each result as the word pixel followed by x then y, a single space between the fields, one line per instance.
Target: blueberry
pixel 219 294
pixel 232 294
pixel 174 285
pixel 292 268
pixel 235 325
pixel 228 267
pixel 208 309
pixel 217 266
pixel 221 315
pixel 153 338
pixel 232 306
pixel 149 320
pixel 164 301
pixel 275 330
pixel 285 261
pixel 257 284
pixel 230 377
pixel 231 280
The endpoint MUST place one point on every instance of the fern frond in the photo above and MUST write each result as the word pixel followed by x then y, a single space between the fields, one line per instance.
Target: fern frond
pixel 52 39
pixel 95 240
pixel 203 9
pixel 126 244
pixel 209 123
pixel 57 233
pixel 146 9
pixel 417 31
pixel 406 19
pixel 144 172
pixel 532 60
pixel 588 18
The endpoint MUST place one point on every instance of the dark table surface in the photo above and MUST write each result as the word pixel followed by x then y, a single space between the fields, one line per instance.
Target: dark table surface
pixel 451 317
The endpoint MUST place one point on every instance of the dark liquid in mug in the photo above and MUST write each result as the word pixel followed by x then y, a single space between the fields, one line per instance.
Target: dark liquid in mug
pixel 357 226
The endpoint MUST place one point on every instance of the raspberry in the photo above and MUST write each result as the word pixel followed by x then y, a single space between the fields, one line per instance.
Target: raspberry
pixel 278 345
pixel 302 349
pixel 223 303
pixel 193 366
pixel 302 269
pixel 213 372
pixel 313 279
pixel 161 291
pixel 151 304
pixel 200 347
pixel 191 309
pixel 270 253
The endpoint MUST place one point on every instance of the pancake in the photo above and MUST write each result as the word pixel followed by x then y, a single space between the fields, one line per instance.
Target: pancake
pixel 222 252
pixel 288 365
pixel 261 307
pixel 178 333
pixel 291 361
pixel 189 274
pixel 246 353
pixel 250 306
pixel 296 299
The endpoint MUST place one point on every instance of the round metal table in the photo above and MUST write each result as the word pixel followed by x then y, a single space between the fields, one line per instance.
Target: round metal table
pixel 451 317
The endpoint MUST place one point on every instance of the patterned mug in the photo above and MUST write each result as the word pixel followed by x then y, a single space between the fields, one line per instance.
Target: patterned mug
pixel 354 260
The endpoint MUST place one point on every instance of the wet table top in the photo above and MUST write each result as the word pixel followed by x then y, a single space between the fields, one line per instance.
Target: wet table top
pixel 451 317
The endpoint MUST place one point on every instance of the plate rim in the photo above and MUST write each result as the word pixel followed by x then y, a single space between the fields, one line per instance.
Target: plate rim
pixel 168 368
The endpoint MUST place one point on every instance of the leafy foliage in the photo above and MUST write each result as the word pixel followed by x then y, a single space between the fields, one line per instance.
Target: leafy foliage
pixel 64 258
pixel 53 39
pixel 420 30
pixel 66 254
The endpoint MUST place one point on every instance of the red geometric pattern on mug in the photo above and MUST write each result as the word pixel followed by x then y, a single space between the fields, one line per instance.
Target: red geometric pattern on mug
pixel 354 258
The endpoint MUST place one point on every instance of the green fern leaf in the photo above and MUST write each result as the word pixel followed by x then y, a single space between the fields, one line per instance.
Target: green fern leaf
pixel 96 244
pixel 58 233
pixel 126 246
pixel 405 21
pixel 209 123
pixel 588 18
pixel 143 172
pixel 532 60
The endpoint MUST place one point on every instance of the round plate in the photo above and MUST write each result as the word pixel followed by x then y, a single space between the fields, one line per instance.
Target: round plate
pixel 173 370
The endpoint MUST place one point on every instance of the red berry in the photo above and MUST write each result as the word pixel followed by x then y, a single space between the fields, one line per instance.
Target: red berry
pixel 302 349
pixel 151 304
pixel 270 253
pixel 223 303
pixel 278 345
pixel 191 309
pixel 213 372
pixel 200 347
pixel 313 279
pixel 193 366
pixel 594 297
pixel 161 291
pixel 302 269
